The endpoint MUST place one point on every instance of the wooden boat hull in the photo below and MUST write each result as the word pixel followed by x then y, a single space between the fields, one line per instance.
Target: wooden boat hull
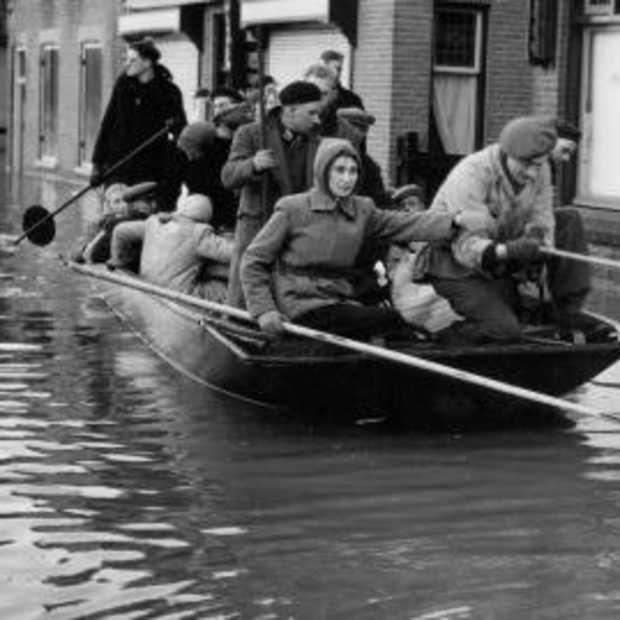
pixel 350 386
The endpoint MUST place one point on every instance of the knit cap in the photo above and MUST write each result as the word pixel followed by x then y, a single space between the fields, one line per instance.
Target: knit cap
pixel 527 137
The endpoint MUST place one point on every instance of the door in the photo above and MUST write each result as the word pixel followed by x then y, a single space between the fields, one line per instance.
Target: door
pixel 599 181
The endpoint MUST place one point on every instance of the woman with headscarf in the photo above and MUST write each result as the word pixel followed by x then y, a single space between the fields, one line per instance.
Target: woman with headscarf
pixel 298 267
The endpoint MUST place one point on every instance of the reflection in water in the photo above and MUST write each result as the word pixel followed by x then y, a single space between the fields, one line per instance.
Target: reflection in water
pixel 127 492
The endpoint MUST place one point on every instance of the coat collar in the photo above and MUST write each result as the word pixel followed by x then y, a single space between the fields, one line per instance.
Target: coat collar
pixel 502 174
pixel 322 202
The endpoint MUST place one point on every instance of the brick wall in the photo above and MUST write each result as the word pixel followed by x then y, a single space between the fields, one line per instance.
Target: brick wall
pixel 373 72
pixel 509 75
pixel 411 71
pixel 393 64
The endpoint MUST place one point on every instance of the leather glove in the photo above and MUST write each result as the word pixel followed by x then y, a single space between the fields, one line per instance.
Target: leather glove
pixel 523 250
pixel 271 323
pixel 500 258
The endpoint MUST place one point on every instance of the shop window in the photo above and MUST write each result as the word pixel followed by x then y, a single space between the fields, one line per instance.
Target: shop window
pixel 91 60
pixel 48 100
pixel 456 78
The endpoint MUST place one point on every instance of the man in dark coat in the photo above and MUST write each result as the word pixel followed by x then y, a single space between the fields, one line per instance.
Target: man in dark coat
pixel 197 162
pixel 332 125
pixel 143 99
pixel 269 162
pixel 371 180
pixel 344 98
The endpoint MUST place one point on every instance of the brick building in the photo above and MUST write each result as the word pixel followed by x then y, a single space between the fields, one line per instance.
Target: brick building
pixel 441 77
pixel 64 55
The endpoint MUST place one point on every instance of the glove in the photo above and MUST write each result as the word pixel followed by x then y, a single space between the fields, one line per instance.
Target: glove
pixel 271 323
pixel 499 259
pixel 523 250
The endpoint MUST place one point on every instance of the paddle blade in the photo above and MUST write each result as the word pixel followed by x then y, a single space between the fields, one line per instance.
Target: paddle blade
pixel 38 226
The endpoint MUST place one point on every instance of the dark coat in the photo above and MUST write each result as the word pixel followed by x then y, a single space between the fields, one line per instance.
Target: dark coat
pixel 347 98
pixel 238 172
pixel 134 113
pixel 202 176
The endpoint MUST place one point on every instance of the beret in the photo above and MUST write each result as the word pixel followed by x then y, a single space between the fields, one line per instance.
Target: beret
pixel 299 92
pixel 527 137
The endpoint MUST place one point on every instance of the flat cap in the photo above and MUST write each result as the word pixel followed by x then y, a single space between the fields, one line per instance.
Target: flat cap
pixel 357 117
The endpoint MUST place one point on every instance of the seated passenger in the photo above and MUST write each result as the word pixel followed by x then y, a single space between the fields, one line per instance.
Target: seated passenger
pixel 297 266
pixel 179 250
pixel 508 186
pixel 120 203
pixel 201 151
pixel 416 301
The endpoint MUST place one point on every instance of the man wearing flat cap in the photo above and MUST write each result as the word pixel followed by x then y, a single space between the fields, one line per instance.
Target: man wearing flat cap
pixel 371 180
pixel 508 185
pixel 284 164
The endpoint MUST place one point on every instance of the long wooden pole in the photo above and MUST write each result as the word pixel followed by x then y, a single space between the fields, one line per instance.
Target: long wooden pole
pixel 349 344
pixel 104 176
pixel 584 258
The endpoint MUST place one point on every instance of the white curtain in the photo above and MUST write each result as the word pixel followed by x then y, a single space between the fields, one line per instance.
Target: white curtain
pixel 454 105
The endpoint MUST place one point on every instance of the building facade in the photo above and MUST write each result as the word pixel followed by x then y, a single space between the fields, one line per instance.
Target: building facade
pixel 441 77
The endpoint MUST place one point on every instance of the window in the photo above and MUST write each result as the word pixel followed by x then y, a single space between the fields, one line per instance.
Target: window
pixel 456 78
pixel 543 29
pixel 90 98
pixel 597 7
pixel 48 97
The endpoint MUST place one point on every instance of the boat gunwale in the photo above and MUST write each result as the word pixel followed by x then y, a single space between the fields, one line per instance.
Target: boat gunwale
pixel 424 349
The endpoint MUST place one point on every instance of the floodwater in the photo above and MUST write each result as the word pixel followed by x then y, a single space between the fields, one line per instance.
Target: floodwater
pixel 127 492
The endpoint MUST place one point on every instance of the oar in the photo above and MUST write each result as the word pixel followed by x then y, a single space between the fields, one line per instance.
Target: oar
pixel 38 223
pixel 584 258
pixel 348 343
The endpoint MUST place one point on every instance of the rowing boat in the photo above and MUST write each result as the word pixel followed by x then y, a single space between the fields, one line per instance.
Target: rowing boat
pixel 318 378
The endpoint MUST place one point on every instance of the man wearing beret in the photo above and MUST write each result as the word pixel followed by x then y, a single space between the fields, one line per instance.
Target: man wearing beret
pixel 283 163
pixel 508 186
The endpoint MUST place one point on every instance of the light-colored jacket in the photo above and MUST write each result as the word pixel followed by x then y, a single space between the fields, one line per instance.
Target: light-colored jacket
pixel 175 249
pixel 479 186
pixel 301 258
